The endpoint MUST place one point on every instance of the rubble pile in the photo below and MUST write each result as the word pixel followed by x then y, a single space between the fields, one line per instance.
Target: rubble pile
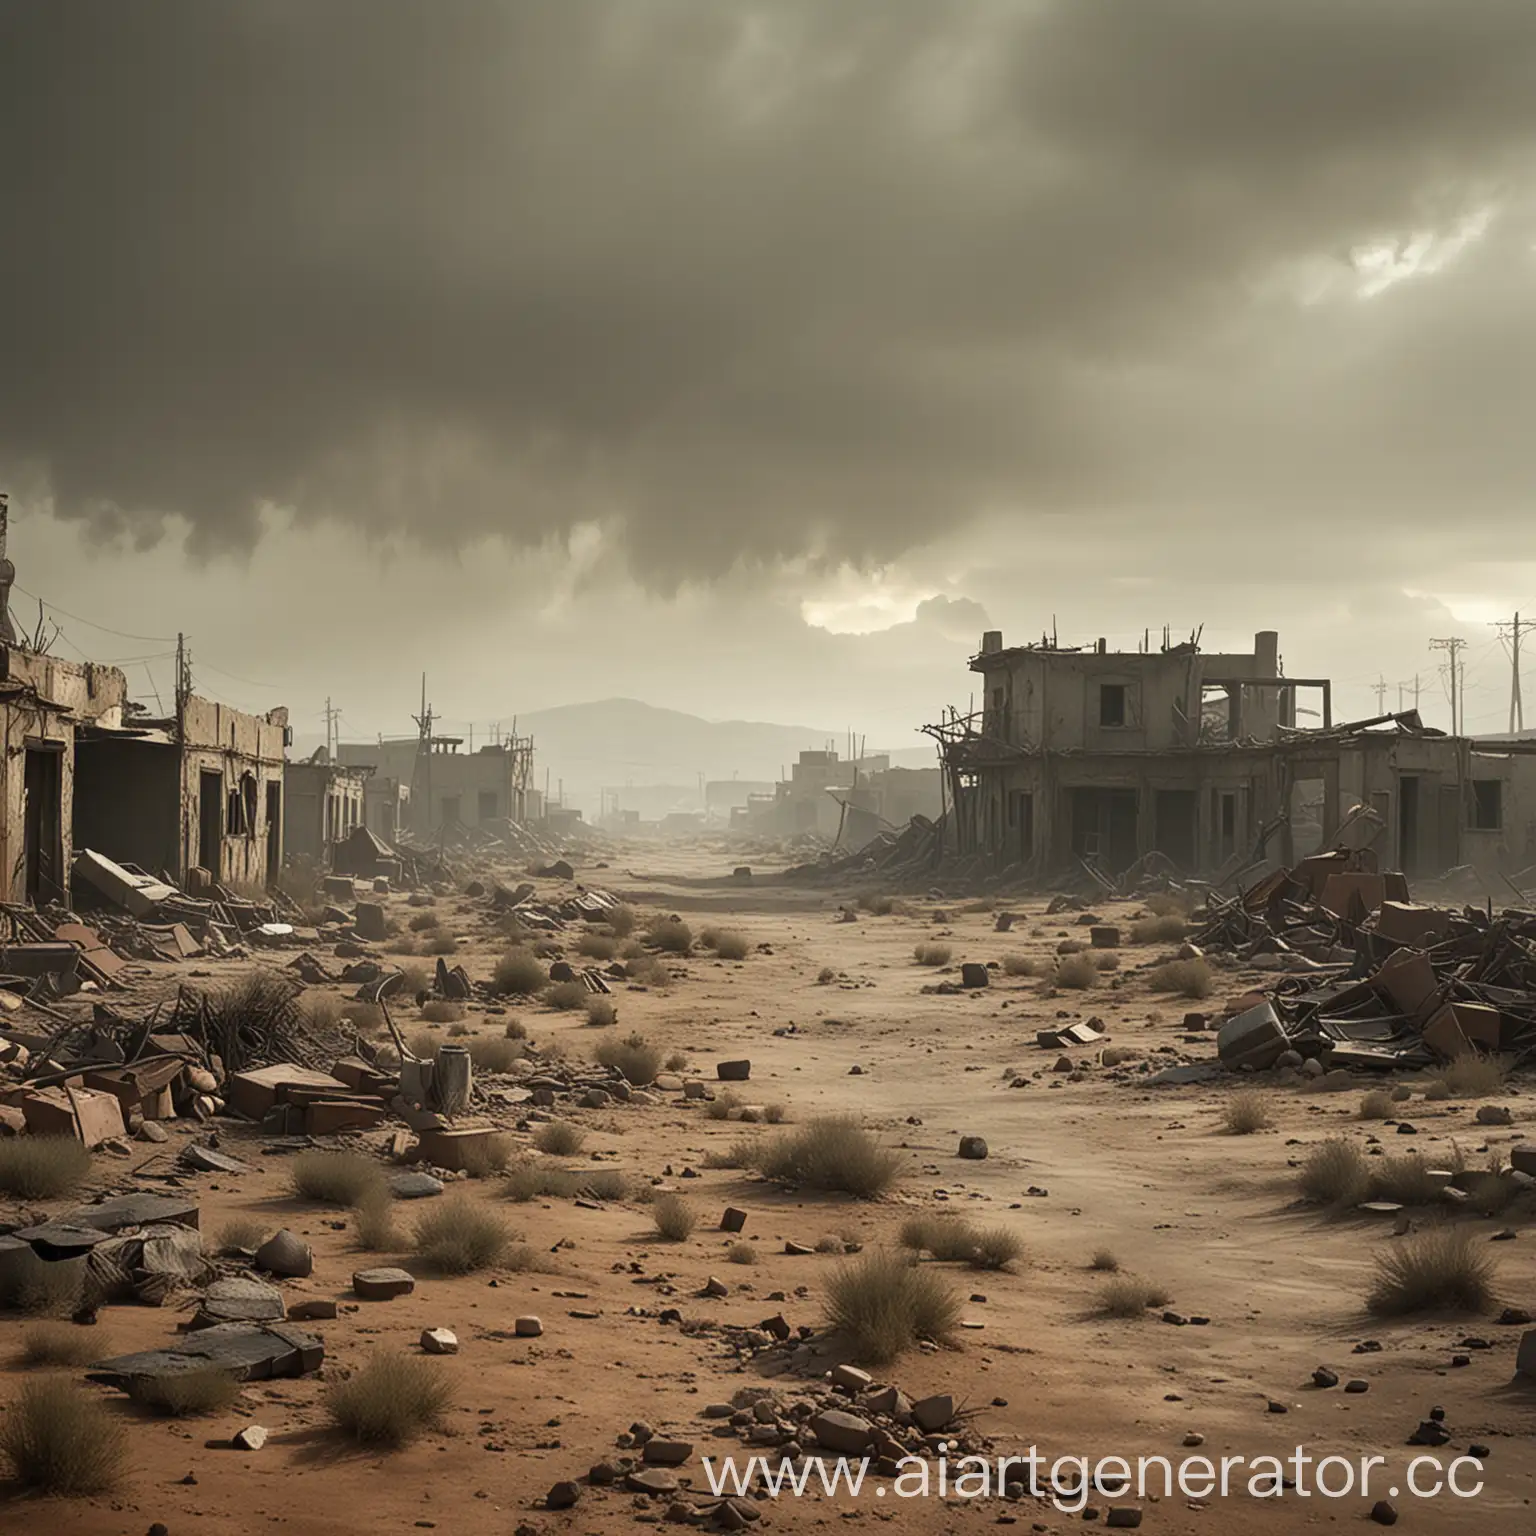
pixel 1378 981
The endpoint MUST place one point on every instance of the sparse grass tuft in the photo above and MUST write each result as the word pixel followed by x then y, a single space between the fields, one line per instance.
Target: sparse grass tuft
pixel 1104 1261
pixel 997 1248
pixel 418 979
pixel 559 1138
pixel 519 973
pixel 1021 965
pixel 567 996
pixel 825 976
pixel 373 1223
pixel 671 935
pixel 242 1234
pixel 724 1101
pixel 515 1029
pixel 60 1440
pixel 677 1061
pixel 335 1178
pixel 741 1253
pixel 729 945
pixel 1248 1111
pixel 949 1238
pixel 928 953
pixel 390 1400
pixel 1376 1105
pixel 459 1235
pixel 1189 978
pixel 321 1010
pixel 1435 1271
pixel 492 1053
pixel 42 1287
pixel 675 1219
pixel 187 1395
pixel 42 1167
pixel 1126 1296
pixel 877 905
pixel 54 1344
pixel 366 1018
pixel 597 946
pixel 1403 1179
pixel 489 1156
pixel 1336 1173
pixel 437 1010
pixel 622 920
pixel 439 942
pixel 832 1153
pixel 885 1304
pixel 1166 929
pixel 423 921
pixel 1077 972
pixel 601 1011
pixel 1471 1076
pixel 636 1059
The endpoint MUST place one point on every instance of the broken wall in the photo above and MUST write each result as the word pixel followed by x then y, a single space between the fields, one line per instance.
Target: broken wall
pixel 127 800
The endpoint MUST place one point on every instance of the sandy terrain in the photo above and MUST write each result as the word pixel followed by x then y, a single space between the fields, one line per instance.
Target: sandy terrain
pixel 1148 1173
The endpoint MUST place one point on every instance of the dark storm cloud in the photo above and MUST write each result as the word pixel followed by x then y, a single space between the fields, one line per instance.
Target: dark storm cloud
pixel 752 280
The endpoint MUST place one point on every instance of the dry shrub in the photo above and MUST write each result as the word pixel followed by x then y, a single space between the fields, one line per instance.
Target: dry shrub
pixel 885 1304
pixel 597 946
pixel 365 1018
pixel 775 1114
pixel 322 1010
pixel 744 1152
pixel 567 996
pixel 724 1101
pixel 54 1344
pixel 1076 971
pixel 1104 1261
pixel 373 1223
pixel 439 942
pixel 495 1053
pixel 878 905
pixel 1169 904
pixel 622 920
pixel 390 1400
pixel 741 1253
pixel 648 971
pixel 416 980
pixel 677 1061
pixel 403 944
pixel 459 1235
pixel 671 935
pixel 424 921
pixel 42 1287
pixel 1167 929
pixel 1247 1112
pixel 1021 965
pixel 637 1060
pixel 675 1219
pixel 1436 1092
pixel 1336 1173
pixel 731 946
pixel 601 1012
pixel 1127 1296
pixel 1490 1192
pixel 825 976
pixel 1189 978
pixel 482 1159
pixel 1377 1104
pixel 1435 1271
pixel 241 1234
pixel 1071 947
pixel 1404 1179
pixel 1470 1076
pixel 335 1178
pixel 42 1167
pixel 437 1010
pixel 831 1243
pixel 59 1440
pixel 949 1238
pixel 422 1044
pixel 996 1248
pixel 459 1031
pixel 604 1183
pixel 559 1138
pixel 519 973
pixel 515 1029
pixel 1117 1055
pixel 831 1153
pixel 928 953
pixel 533 1180
pixel 188 1394
pixel 1105 959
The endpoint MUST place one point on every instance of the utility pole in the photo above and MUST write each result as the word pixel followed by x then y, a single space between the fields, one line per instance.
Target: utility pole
pixel 423 817
pixel 332 740
pixel 183 682
pixel 1380 688
pixel 1452 645
pixel 1512 632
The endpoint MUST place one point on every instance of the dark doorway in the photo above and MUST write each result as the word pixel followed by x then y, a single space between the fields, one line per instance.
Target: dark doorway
pixel 1449 841
pixel 487 806
pixel 1226 824
pixel 1408 824
pixel 1021 823
pixel 1104 826
pixel 45 822
pixel 210 822
pixel 450 816
pixel 274 830
pixel 1176 826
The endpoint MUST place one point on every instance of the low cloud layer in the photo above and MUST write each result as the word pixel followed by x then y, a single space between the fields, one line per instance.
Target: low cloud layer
pixel 769 280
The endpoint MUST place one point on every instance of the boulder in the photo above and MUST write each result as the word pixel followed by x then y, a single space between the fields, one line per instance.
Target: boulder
pixel 844 1433
pixel 286 1255
pixel 439 1341
pixel 382 1284
pixel 973 1148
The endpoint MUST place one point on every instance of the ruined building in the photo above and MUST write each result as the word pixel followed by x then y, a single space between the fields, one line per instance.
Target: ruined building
pixel 325 802
pixel 1213 762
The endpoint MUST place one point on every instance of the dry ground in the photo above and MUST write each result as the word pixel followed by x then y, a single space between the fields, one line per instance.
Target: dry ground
pixel 1150 1174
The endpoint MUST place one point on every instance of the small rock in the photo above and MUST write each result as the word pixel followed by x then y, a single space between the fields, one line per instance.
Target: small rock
pixel 851 1379
pixel 1323 1377
pixel 653 1480
pixel 152 1130
pixel 440 1341
pixel 666 1453
pixel 1384 1512
pixel 285 1255
pixel 1123 1517
pixel 733 1220
pixel 973 1148
pixel 415 1186
pixel 715 1286
pixel 1355 1387
pixel 318 1311
pixel 1275 1407
pixel 528 1327
pixel 733 1071
pixel 844 1433
pixel 1193 1439
pixel 382 1284
pixel 251 1438
pixel 933 1413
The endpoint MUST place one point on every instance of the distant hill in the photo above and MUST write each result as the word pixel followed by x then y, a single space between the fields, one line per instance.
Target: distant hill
pixel 613 742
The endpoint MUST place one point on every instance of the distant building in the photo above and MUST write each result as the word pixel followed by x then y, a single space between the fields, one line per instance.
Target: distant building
pixel 325 802
pixel 444 786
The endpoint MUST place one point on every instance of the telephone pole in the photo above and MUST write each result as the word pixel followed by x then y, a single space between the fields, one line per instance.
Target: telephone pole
pixel 332 717
pixel 1511 632
pixel 1452 645
pixel 1379 687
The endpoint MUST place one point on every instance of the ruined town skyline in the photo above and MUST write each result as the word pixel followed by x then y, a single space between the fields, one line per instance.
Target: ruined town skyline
pixel 797 345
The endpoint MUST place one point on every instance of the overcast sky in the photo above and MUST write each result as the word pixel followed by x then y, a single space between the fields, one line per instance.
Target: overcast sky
pixel 750 356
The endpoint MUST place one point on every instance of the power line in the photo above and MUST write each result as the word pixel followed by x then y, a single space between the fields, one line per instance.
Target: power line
pixel 1511 632
pixel 1452 645
pixel 91 623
